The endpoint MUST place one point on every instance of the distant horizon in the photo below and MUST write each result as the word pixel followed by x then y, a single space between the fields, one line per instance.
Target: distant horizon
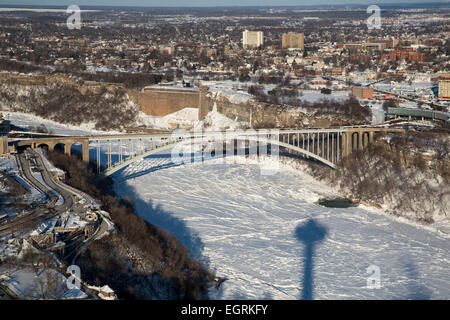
pixel 215 3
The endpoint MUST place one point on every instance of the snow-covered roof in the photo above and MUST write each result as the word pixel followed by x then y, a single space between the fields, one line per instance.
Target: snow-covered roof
pixel 106 289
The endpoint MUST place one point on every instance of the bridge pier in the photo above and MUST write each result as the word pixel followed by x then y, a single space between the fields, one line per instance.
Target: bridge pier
pixel 353 140
pixel 85 151
pixel 67 149
pixel 345 149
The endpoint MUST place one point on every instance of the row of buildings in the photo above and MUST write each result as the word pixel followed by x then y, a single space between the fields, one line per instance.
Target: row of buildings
pixel 255 39
pixel 408 54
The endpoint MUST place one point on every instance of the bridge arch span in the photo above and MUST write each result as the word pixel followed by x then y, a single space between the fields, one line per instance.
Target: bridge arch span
pixel 120 165
pixel 356 141
pixel 43 146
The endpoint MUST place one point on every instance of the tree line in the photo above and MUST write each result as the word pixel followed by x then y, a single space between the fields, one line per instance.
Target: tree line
pixel 164 257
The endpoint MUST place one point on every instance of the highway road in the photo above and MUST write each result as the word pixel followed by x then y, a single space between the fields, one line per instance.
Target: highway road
pixel 51 189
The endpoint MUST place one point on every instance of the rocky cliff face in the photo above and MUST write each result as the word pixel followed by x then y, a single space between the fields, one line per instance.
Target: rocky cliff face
pixel 264 115
pixel 68 100
pixel 111 106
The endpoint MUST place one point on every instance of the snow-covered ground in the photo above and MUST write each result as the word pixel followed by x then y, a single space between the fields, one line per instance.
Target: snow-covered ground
pixel 316 95
pixel 255 230
pixel 186 118
pixel 26 283
pixel 261 232
pixel 25 120
pixel 215 121
pixel 234 91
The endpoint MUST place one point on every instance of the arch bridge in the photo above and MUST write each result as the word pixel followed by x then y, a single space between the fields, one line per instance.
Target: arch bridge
pixel 64 142
pixel 326 145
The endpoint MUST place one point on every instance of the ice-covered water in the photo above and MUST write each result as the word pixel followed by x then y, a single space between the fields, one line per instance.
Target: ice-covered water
pixel 269 238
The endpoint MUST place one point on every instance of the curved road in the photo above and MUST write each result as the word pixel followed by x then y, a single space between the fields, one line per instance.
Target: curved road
pixel 51 189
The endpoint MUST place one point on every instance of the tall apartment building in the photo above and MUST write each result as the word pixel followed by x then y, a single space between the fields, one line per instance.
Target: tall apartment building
pixel 293 40
pixel 252 39
pixel 3 145
pixel 444 88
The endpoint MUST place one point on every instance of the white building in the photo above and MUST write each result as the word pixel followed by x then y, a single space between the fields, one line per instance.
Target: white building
pixel 252 39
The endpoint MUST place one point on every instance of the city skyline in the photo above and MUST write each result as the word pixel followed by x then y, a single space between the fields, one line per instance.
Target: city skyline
pixel 206 3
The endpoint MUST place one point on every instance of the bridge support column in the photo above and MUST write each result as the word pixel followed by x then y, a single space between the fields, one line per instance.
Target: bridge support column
pixel 51 146
pixel 323 145
pixel 354 136
pixel 338 146
pixel 98 156
pixel 67 149
pixel 365 139
pixel 360 140
pixel 85 151
pixel 345 139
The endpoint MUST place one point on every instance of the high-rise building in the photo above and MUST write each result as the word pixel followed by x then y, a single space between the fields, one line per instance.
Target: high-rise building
pixel 293 40
pixel 252 39
pixel 444 88
pixel 3 145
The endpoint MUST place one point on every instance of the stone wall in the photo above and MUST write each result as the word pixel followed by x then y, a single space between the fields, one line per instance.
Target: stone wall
pixel 161 101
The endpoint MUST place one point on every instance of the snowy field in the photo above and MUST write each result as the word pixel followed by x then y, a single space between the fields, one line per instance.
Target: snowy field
pixel 270 239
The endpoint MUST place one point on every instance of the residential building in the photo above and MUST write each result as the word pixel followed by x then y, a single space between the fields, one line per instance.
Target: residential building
pixel 407 54
pixel 3 145
pixel 252 39
pixel 444 88
pixel 293 40
pixel 362 93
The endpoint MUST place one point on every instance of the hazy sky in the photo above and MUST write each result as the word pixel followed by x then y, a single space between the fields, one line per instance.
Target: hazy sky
pixel 185 3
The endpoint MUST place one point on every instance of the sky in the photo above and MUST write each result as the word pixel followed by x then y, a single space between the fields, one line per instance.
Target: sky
pixel 209 3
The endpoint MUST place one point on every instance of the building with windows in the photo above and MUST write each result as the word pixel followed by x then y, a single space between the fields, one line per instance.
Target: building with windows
pixel 4 145
pixel 252 39
pixel 293 40
pixel 362 93
pixel 408 54
pixel 444 88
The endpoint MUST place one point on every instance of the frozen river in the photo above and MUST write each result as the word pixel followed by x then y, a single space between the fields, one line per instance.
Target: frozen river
pixel 270 239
